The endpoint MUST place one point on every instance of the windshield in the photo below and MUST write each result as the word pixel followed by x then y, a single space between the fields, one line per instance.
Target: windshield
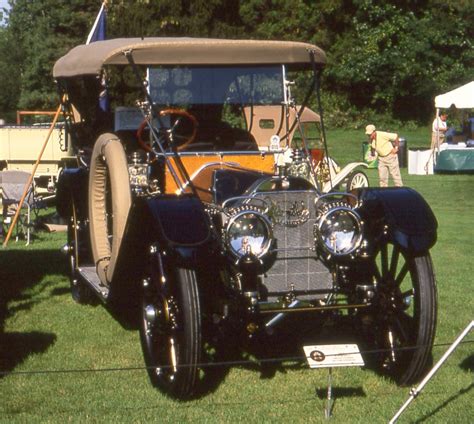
pixel 228 108
pixel 186 86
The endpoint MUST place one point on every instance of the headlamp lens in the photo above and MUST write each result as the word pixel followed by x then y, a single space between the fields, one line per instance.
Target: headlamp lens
pixel 249 232
pixel 340 231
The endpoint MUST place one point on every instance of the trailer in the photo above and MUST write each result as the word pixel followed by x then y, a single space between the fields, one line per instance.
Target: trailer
pixel 21 144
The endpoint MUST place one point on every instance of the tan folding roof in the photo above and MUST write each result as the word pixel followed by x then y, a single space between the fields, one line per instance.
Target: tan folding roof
pixel 89 59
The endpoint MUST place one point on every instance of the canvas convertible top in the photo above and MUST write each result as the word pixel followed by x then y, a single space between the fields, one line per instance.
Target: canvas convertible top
pixel 89 59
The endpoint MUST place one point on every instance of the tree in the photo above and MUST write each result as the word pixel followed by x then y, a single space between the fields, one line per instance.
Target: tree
pixel 42 31
pixel 394 59
pixel 190 18
pixel 386 57
pixel 10 87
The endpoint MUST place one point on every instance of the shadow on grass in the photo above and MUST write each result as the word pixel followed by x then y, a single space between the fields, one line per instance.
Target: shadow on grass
pixel 468 363
pixel 461 392
pixel 279 352
pixel 341 392
pixel 16 347
pixel 20 272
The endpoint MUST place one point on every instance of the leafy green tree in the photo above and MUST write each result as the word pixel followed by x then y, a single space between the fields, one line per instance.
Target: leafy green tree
pixel 192 18
pixel 42 31
pixel 9 84
pixel 394 59
pixel 384 57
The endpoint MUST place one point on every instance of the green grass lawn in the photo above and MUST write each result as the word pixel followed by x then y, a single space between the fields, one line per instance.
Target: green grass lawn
pixel 44 332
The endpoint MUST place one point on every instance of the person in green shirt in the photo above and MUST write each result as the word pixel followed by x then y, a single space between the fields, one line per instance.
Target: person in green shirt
pixel 385 144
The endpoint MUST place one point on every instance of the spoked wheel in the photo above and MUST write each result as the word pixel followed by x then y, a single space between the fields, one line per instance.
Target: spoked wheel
pixel 404 313
pixel 79 291
pixel 356 179
pixel 171 331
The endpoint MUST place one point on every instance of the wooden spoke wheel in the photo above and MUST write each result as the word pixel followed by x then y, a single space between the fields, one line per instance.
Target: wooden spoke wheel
pixel 404 313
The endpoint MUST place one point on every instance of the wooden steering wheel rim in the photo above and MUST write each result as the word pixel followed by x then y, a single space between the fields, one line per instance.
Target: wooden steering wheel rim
pixel 142 144
pixel 165 112
pixel 185 114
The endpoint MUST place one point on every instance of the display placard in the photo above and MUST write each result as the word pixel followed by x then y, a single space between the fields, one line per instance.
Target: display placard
pixel 335 355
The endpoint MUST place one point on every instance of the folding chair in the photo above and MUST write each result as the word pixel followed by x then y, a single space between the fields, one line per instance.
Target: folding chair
pixel 12 186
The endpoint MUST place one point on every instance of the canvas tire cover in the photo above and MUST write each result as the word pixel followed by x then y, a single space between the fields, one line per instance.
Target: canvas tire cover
pixel 108 156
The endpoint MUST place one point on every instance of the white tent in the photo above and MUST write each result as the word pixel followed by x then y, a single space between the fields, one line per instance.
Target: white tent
pixel 461 98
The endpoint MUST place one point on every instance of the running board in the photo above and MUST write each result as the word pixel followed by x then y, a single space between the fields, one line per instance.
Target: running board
pixel 89 275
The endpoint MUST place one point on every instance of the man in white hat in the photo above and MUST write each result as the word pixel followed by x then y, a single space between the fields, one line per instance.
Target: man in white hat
pixel 386 145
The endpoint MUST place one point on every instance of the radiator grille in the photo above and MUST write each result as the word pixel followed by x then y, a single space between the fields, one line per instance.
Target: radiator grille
pixel 293 215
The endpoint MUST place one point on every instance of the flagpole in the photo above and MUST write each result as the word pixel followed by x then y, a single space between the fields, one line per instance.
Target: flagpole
pixel 96 22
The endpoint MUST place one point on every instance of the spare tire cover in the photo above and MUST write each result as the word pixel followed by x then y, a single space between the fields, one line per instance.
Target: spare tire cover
pixel 108 160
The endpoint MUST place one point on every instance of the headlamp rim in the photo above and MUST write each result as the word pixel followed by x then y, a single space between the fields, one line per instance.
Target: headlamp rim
pixel 263 218
pixel 358 221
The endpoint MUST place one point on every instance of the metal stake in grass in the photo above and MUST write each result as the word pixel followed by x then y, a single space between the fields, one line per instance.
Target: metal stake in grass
pixel 329 399
pixel 415 391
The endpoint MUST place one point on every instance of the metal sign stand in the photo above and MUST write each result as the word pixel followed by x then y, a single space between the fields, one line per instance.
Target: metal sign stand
pixel 329 399
pixel 330 356
pixel 415 391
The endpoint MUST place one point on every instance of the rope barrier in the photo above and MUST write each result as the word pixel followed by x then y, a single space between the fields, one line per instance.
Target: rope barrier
pixel 299 358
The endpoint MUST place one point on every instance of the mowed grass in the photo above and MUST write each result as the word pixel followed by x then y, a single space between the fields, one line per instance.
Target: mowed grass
pixel 71 363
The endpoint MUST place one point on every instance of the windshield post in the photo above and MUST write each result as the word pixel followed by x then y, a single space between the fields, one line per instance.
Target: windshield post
pixel 317 85
pixel 286 98
pixel 149 101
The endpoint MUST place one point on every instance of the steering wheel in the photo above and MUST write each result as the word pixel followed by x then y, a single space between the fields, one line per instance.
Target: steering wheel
pixel 186 139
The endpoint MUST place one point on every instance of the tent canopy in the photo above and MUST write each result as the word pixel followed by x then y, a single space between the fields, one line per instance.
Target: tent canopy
pixel 461 97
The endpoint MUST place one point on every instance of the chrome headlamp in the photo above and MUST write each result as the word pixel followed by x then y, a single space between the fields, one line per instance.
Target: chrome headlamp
pixel 339 230
pixel 248 232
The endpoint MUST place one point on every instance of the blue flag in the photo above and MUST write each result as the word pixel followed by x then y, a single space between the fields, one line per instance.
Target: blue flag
pixel 98 33
pixel 98 30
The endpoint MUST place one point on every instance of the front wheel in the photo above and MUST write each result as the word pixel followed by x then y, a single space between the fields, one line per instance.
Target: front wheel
pixel 171 330
pixel 356 179
pixel 404 318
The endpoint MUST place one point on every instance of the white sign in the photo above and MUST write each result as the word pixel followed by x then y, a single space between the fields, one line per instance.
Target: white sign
pixel 274 143
pixel 337 355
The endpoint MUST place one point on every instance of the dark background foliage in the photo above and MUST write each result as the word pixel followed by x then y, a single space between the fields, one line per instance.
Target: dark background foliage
pixel 386 60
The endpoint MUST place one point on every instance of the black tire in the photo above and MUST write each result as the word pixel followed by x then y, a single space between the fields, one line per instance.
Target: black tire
pixel 356 179
pixel 170 331
pixel 80 292
pixel 404 313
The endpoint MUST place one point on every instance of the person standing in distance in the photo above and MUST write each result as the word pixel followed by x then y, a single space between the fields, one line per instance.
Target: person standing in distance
pixel 386 145
pixel 438 130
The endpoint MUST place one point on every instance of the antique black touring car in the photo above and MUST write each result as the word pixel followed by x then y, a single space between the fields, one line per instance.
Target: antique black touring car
pixel 197 196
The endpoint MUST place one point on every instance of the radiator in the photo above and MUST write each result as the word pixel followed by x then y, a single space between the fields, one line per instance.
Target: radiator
pixel 296 266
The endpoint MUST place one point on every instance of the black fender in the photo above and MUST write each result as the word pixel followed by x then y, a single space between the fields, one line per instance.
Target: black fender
pixel 409 220
pixel 183 229
pixel 72 185
pixel 179 221
pixel 175 226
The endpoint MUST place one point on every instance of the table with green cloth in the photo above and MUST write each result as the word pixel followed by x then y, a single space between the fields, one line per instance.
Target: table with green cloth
pixel 455 160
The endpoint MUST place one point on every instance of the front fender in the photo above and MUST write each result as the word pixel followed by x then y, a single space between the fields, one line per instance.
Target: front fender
pixel 177 225
pixel 342 174
pixel 410 221
pixel 179 221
